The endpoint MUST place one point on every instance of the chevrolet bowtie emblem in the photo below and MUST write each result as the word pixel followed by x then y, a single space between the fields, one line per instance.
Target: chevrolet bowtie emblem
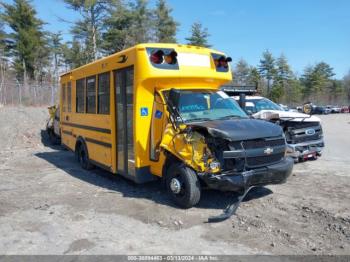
pixel 268 151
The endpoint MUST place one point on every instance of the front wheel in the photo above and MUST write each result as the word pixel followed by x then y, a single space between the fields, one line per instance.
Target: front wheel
pixel 183 185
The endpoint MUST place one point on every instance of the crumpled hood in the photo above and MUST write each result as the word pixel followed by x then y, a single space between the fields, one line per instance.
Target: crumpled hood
pixel 285 115
pixel 240 129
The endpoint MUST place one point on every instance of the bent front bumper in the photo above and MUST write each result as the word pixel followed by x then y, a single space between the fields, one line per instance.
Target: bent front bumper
pixel 301 149
pixel 273 174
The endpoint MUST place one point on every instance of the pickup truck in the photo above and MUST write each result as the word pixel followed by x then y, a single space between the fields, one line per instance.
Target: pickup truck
pixel 303 133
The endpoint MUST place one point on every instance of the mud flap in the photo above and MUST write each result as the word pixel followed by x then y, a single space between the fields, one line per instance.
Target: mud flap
pixel 229 210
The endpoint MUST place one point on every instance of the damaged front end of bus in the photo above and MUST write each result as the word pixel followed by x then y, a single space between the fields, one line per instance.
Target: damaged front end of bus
pixel 214 144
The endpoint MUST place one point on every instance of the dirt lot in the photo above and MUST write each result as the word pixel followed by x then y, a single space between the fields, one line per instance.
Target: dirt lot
pixel 49 205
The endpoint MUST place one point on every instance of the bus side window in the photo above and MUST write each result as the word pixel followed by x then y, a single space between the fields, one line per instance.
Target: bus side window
pixel 63 97
pixel 80 95
pixel 69 96
pixel 103 93
pixel 91 95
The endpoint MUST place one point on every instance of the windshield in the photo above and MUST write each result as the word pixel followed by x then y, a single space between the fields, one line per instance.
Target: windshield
pixel 256 105
pixel 203 105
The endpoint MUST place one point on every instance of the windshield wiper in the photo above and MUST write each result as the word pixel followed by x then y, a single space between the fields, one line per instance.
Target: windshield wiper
pixel 229 117
pixel 198 119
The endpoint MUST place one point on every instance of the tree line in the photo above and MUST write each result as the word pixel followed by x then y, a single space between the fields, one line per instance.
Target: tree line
pixel 275 79
pixel 31 58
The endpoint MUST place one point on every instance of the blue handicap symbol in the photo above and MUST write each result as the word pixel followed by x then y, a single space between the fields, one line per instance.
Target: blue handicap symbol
pixel 144 111
pixel 158 114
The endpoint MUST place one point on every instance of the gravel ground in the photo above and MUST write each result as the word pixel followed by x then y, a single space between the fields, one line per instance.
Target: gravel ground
pixel 49 205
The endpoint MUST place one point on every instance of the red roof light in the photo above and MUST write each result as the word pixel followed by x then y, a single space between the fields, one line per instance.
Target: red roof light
pixel 157 57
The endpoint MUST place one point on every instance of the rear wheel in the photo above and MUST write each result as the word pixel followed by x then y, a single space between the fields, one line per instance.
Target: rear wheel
pixel 183 185
pixel 83 157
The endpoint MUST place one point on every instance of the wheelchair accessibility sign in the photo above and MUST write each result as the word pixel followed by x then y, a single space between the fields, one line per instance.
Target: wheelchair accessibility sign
pixel 144 111
pixel 158 114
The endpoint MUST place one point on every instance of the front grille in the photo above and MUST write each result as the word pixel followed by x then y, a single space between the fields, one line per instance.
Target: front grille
pixel 299 125
pixel 306 138
pixel 261 143
pixel 264 160
pixel 254 149
pixel 295 136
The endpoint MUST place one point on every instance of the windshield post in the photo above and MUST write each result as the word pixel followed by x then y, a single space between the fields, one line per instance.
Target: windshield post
pixel 174 114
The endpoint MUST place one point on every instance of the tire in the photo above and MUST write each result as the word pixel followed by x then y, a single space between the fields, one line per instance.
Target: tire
pixel 189 193
pixel 83 157
pixel 54 139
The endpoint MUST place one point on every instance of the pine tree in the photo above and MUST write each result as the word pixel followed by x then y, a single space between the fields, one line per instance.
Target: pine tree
pixel 283 71
pixel 241 73
pixel 165 25
pixel 335 90
pixel 199 35
pixel 282 79
pixel 88 29
pixel 26 41
pixel 2 38
pixel 267 69
pixel 140 29
pixel 117 26
pixel 317 79
pixel 254 77
pixel 308 81
pixel 56 49
pixel 73 54
pixel 325 84
pixel 324 70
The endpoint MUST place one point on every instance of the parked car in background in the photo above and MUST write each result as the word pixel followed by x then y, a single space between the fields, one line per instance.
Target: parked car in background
pixel 284 107
pixel 345 109
pixel 334 109
pixel 311 109
pixel 293 109
pixel 320 110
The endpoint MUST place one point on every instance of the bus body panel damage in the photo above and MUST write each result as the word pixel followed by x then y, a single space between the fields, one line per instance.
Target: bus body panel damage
pixel 196 147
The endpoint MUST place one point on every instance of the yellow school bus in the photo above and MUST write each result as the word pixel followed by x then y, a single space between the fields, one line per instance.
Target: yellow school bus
pixel 145 113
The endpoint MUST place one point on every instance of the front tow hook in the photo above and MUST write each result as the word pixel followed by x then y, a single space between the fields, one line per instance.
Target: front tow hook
pixel 230 209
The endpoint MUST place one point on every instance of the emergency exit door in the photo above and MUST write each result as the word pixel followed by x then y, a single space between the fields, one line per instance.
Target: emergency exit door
pixel 124 88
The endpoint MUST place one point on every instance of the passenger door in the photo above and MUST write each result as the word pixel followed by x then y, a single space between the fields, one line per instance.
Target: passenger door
pixel 124 88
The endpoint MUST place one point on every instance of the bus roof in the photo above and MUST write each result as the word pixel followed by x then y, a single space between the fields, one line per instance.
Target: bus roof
pixel 180 47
